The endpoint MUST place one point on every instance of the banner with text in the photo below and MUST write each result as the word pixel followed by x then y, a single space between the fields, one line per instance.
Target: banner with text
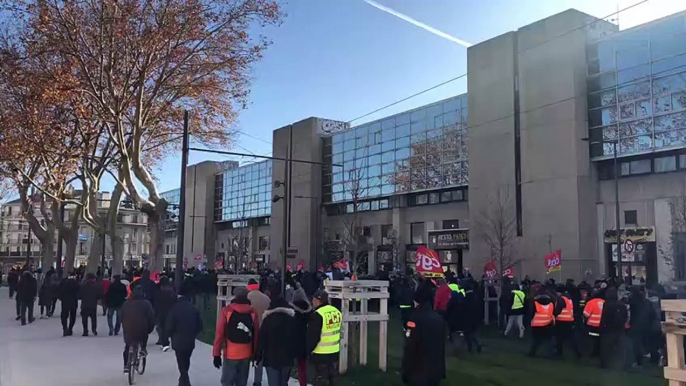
pixel 427 262
pixel 490 270
pixel 553 261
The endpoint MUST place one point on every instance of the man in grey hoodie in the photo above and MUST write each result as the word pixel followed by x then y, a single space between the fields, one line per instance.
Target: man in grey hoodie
pixel 260 303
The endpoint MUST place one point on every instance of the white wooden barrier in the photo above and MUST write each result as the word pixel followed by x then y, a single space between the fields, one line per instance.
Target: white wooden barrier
pixel 225 286
pixel 674 328
pixel 362 291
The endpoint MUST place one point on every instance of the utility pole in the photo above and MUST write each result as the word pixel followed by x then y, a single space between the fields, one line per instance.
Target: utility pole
pixel 178 275
pixel 619 228
pixel 28 245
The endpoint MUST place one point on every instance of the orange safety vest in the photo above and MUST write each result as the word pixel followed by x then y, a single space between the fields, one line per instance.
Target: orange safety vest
pixel 567 314
pixel 594 311
pixel 128 288
pixel 543 316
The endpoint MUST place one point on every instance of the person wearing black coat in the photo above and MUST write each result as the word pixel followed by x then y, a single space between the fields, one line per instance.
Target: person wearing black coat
pixel 137 320
pixel 148 287
pixel 612 330
pixel 28 289
pixel 643 318
pixel 68 293
pixel 115 298
pixel 303 311
pixel 183 324
pixel 275 343
pixel 91 292
pixel 12 281
pixel 424 353
pixel 164 300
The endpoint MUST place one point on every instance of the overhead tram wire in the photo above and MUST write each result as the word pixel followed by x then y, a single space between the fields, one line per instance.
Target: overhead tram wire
pixel 518 52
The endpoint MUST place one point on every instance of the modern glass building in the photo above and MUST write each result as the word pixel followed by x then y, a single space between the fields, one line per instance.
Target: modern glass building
pixel 637 90
pixel 173 198
pixel 417 150
pixel 243 192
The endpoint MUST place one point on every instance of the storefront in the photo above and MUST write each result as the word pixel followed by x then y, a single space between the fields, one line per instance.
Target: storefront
pixel 449 243
pixel 639 254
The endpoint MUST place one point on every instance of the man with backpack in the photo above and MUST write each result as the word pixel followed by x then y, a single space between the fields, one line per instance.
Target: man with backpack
pixel 236 336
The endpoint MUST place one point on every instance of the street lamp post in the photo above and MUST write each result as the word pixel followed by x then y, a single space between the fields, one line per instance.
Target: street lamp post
pixel 284 241
pixel 617 171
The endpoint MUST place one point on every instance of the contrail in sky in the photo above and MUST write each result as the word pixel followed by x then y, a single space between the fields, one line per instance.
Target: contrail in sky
pixel 419 24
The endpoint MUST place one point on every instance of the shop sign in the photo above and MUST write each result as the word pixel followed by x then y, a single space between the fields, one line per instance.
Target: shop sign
pixel 636 235
pixel 449 239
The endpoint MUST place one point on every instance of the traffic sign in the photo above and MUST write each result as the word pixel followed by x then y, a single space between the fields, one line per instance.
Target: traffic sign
pixel 628 246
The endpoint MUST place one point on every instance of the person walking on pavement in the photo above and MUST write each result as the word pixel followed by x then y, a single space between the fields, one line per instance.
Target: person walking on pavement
pixel 90 294
pixel 13 281
pixel 68 293
pixel 323 339
pixel 138 321
pixel 515 314
pixel 183 324
pixel 115 298
pixel 260 303
pixel 543 321
pixel 164 301
pixel 564 322
pixel 423 360
pixel 28 288
pixel 46 293
pixel 17 299
pixel 303 312
pixel 275 343
pixel 236 335
pixel 406 294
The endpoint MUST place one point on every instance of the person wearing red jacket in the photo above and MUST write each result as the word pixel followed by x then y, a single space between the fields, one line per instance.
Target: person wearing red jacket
pixel 236 335
pixel 442 297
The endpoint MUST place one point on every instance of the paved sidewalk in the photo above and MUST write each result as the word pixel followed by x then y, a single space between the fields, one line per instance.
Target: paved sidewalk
pixel 38 355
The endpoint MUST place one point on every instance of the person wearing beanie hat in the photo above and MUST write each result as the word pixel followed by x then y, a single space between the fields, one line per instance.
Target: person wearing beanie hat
pixel 183 324
pixel 236 336
pixel 424 352
pixel 303 311
pixel 260 303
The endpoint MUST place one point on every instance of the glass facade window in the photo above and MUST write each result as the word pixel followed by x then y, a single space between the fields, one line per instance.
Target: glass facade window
pixel 637 89
pixel 243 192
pixel 417 232
pixel 422 149
pixel 173 198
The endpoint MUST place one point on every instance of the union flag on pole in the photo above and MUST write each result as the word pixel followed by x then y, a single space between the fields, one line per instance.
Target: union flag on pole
pixel 427 262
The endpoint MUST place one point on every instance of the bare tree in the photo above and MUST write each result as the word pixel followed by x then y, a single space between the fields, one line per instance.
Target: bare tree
pixel 673 251
pixel 496 226
pixel 352 231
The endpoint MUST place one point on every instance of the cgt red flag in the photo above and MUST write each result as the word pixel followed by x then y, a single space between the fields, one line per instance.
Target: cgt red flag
pixel 509 272
pixel 490 270
pixel 301 265
pixel 341 264
pixel 427 262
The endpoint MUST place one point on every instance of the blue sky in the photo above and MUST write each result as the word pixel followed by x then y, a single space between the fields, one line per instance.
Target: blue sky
pixel 340 59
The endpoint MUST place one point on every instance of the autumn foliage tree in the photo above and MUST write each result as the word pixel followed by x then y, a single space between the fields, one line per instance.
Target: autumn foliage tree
pixel 137 65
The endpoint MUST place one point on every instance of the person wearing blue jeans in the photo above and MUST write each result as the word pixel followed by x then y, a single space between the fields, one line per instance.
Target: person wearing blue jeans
pixel 111 312
pixel 235 372
pixel 278 376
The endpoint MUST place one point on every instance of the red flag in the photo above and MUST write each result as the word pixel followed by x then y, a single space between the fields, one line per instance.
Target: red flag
pixel 301 265
pixel 509 272
pixel 185 263
pixel 341 264
pixel 198 257
pixel 553 261
pixel 155 276
pixel 490 270
pixel 288 268
pixel 427 262
pixel 219 264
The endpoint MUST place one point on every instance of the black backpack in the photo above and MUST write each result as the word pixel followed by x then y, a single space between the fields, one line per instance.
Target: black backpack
pixel 240 328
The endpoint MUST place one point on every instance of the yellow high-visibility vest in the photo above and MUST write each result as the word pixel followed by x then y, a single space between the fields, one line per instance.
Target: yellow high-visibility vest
pixel 456 288
pixel 330 340
pixel 518 299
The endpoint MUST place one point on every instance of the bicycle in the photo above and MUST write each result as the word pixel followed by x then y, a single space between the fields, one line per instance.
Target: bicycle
pixel 137 362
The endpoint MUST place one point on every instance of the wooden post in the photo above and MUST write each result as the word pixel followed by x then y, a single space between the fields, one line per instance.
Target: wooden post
pixel 345 337
pixel 225 286
pixel 383 331
pixel 363 330
pixel 674 328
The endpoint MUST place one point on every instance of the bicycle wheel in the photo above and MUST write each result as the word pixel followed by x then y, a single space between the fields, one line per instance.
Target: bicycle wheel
pixel 133 355
pixel 140 366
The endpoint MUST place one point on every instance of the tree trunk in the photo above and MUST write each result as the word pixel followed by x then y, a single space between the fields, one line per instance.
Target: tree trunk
pixel 156 217
pixel 70 252
pixel 95 255
pixel 47 253
pixel 117 245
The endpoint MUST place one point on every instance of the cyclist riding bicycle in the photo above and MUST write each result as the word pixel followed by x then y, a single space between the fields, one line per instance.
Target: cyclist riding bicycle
pixel 138 321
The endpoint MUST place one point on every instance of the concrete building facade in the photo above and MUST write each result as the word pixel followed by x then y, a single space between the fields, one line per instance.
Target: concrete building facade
pixel 529 147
